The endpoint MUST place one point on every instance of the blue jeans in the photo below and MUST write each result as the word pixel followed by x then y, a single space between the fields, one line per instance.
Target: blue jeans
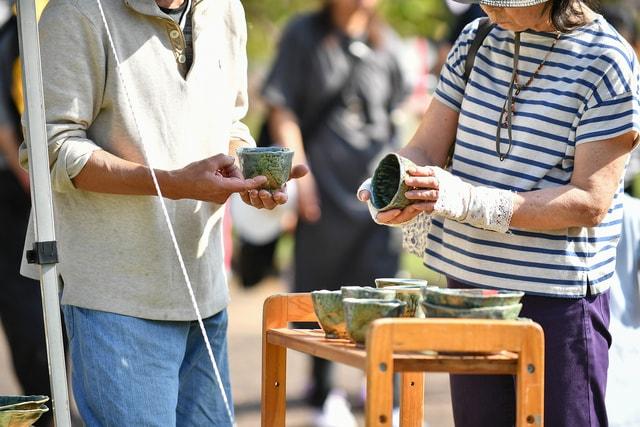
pixel 128 371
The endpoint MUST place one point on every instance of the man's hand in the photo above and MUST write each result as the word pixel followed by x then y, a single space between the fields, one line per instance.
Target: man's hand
pixel 263 199
pixel 212 180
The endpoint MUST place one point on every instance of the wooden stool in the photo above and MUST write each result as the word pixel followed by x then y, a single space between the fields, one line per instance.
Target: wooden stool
pixel 465 346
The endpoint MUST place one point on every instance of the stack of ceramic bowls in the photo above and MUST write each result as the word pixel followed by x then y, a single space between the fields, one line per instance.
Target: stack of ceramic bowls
pixel 348 312
pixel 471 303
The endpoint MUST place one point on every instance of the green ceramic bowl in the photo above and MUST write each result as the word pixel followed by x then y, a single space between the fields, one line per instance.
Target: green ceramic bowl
pixel 471 298
pixel 359 313
pixel 412 296
pixel 271 162
pixel 398 281
pixel 328 308
pixel 366 292
pixel 21 411
pixel 502 312
pixel 387 183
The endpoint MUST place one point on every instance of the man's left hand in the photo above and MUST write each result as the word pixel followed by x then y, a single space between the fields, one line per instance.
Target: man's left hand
pixel 263 199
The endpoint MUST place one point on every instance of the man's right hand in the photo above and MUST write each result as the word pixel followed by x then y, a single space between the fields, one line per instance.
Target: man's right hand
pixel 211 180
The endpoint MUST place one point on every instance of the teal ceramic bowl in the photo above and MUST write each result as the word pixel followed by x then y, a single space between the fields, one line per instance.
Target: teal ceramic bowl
pixel 271 162
pixel 21 411
pixel 501 312
pixel 384 282
pixel 387 184
pixel 471 298
pixel 359 313
pixel 330 313
pixel 412 296
pixel 366 292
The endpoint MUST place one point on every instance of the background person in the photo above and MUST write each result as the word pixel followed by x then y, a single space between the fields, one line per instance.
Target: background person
pixel 331 93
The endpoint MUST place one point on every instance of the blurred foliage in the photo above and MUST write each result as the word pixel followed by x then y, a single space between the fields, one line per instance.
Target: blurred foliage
pixel 265 18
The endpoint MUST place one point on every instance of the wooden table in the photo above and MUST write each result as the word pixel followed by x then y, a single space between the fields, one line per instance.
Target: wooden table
pixel 408 346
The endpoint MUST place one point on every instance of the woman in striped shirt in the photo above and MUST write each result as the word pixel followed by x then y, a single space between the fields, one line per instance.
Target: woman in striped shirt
pixel 542 130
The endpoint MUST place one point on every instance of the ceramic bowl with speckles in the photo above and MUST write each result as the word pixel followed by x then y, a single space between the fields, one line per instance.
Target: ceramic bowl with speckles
pixel 471 298
pixel 499 312
pixel 384 282
pixel 412 296
pixel 366 292
pixel 359 313
pixel 387 184
pixel 271 162
pixel 330 313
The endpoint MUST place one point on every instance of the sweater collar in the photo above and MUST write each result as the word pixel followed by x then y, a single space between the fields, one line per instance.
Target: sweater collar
pixel 150 7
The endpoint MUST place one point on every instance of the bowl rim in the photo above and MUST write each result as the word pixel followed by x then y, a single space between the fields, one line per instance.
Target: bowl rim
pixel 470 309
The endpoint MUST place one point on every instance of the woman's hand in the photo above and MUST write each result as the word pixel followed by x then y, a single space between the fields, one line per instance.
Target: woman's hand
pixel 423 190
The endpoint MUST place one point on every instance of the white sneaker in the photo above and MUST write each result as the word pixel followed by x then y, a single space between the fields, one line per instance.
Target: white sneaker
pixel 336 412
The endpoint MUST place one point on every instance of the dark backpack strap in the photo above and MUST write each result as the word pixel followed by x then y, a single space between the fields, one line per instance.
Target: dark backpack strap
pixel 484 28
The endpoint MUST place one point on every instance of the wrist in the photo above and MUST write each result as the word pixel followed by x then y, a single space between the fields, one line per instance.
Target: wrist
pixel 168 181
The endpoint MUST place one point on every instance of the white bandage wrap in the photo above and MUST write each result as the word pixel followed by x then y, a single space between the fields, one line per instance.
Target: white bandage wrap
pixel 482 207
pixel 415 234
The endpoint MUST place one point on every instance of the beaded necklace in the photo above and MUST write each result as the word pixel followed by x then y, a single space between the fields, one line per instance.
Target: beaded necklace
pixel 508 109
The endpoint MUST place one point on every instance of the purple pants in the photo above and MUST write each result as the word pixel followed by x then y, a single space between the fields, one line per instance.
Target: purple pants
pixel 576 361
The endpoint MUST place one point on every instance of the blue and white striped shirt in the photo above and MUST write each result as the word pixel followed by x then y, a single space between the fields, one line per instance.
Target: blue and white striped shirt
pixel 588 90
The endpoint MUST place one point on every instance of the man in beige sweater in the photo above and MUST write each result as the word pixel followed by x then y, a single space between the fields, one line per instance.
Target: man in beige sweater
pixel 174 103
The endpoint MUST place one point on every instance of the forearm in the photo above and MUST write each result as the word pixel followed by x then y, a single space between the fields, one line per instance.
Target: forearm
pixel 106 173
pixel 558 208
pixel 9 149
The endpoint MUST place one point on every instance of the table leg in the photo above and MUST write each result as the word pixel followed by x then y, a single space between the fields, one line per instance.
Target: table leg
pixel 274 385
pixel 412 399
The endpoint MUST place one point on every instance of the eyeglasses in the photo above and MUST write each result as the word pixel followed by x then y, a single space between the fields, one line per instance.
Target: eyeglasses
pixel 506 116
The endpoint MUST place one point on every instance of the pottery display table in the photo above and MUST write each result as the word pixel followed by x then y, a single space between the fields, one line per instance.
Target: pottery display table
pixel 407 346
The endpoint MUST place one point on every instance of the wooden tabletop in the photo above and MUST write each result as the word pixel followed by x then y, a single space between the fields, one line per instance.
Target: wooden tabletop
pixel 313 342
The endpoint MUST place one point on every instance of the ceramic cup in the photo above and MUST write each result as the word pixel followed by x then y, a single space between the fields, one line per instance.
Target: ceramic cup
pixel 366 292
pixel 359 313
pixel 271 162
pixel 501 312
pixel 412 296
pixel 471 298
pixel 328 308
pixel 385 282
pixel 387 183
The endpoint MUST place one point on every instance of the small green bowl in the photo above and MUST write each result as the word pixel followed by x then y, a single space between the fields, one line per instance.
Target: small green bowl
pixel 359 313
pixel 471 298
pixel 399 281
pixel 330 313
pixel 387 184
pixel 412 296
pixel 366 292
pixel 272 162
pixel 501 312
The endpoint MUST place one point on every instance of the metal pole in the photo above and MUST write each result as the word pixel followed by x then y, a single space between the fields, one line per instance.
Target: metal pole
pixel 44 251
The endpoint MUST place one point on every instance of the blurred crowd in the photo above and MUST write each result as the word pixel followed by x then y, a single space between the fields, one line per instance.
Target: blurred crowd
pixel 343 90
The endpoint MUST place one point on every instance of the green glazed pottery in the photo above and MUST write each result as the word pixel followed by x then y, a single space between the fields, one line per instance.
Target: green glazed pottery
pixel 412 296
pixel 271 162
pixel 471 298
pixel 328 308
pixel 387 184
pixel 21 411
pixel 502 312
pixel 398 281
pixel 366 292
pixel 359 313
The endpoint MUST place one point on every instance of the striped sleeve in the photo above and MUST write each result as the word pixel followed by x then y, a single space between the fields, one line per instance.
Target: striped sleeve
pixel 614 107
pixel 450 89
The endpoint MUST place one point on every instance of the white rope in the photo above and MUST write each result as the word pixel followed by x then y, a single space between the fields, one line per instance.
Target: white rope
pixel 166 217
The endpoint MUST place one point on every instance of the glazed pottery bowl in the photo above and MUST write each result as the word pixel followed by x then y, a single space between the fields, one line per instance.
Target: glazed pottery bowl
pixel 384 282
pixel 412 296
pixel 387 184
pixel 21 410
pixel 328 308
pixel 367 292
pixel 271 162
pixel 359 313
pixel 471 298
pixel 502 312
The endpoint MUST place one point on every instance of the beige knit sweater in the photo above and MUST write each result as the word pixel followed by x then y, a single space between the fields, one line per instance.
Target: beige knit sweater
pixel 115 251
